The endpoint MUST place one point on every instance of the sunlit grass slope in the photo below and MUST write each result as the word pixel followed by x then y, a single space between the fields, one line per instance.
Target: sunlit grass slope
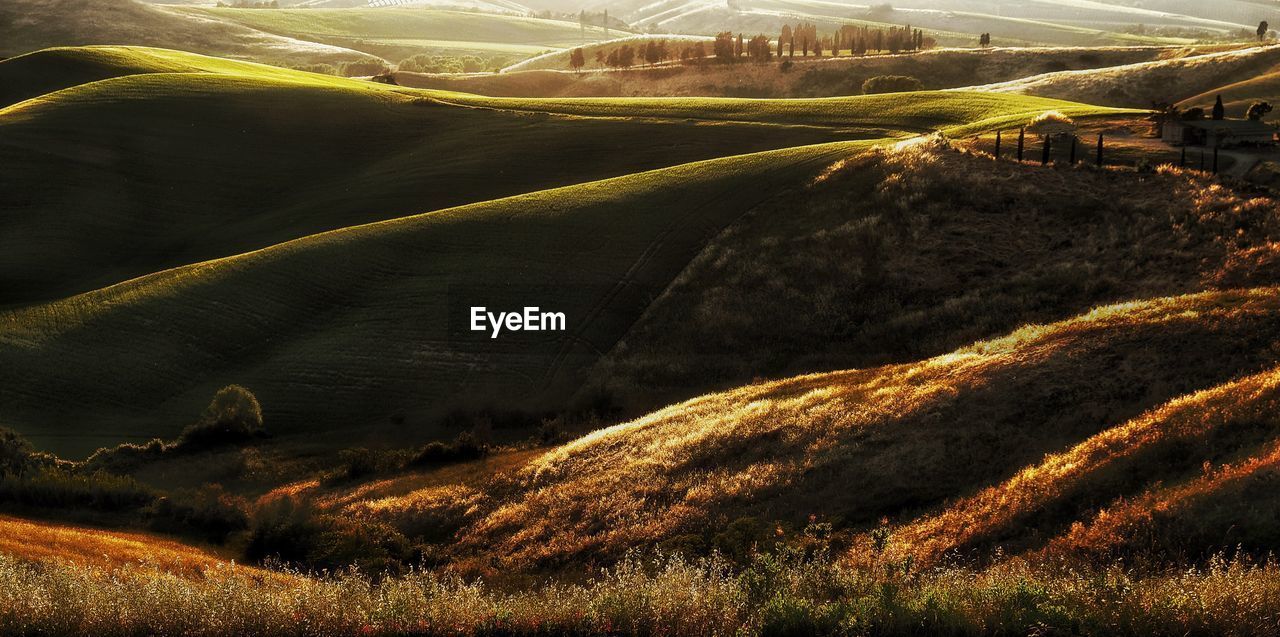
pixel 1188 477
pixel 1138 85
pixel 1238 96
pixel 346 329
pixel 118 178
pixel 856 446
pixel 46 541
pixel 951 112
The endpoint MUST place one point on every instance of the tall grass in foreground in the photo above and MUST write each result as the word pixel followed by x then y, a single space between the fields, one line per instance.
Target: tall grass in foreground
pixel 667 596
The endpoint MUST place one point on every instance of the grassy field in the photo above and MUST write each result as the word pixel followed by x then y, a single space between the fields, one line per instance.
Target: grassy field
pixel 559 60
pixel 396 33
pixel 1140 84
pixel 647 597
pixel 1239 96
pixel 28 25
pixel 827 370
pixel 788 450
pixel 84 547
pixel 375 302
pixel 286 168
pixel 804 77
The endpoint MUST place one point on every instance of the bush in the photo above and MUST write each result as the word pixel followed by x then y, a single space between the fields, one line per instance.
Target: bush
pixel 15 452
pixel 211 513
pixel 463 448
pixel 293 532
pixel 362 69
pixel 891 84
pixel 323 69
pixel 56 487
pixel 234 416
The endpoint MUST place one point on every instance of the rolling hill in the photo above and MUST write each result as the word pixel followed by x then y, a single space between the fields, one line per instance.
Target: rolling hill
pixel 269 162
pixel 910 439
pixel 366 301
pixel 827 77
pixel 48 542
pixel 1140 84
pixel 1239 96
pixel 906 438
pixel 380 302
pixel 28 25
pixel 396 33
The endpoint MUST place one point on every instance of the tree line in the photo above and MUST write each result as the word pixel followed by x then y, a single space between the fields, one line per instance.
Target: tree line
pixel 857 40
pixel 730 47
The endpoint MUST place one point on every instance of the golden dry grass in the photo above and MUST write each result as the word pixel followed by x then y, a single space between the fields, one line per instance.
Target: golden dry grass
pixel 45 541
pixel 854 445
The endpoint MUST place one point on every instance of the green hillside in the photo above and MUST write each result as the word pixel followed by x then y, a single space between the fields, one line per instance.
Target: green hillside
pixel 276 155
pixel 299 322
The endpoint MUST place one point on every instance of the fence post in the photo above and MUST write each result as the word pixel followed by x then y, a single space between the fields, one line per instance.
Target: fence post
pixel 1022 138
pixel 1074 139
pixel 1182 162
pixel 1215 160
pixel 1201 160
pixel 997 153
pixel 1044 154
pixel 1099 150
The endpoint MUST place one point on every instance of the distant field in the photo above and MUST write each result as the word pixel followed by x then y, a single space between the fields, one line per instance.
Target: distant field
pixel 1140 84
pixel 29 25
pixel 559 60
pixel 805 77
pixel 1239 96
pixel 399 32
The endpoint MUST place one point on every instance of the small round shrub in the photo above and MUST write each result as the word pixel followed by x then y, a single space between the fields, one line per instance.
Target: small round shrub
pixel 891 84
